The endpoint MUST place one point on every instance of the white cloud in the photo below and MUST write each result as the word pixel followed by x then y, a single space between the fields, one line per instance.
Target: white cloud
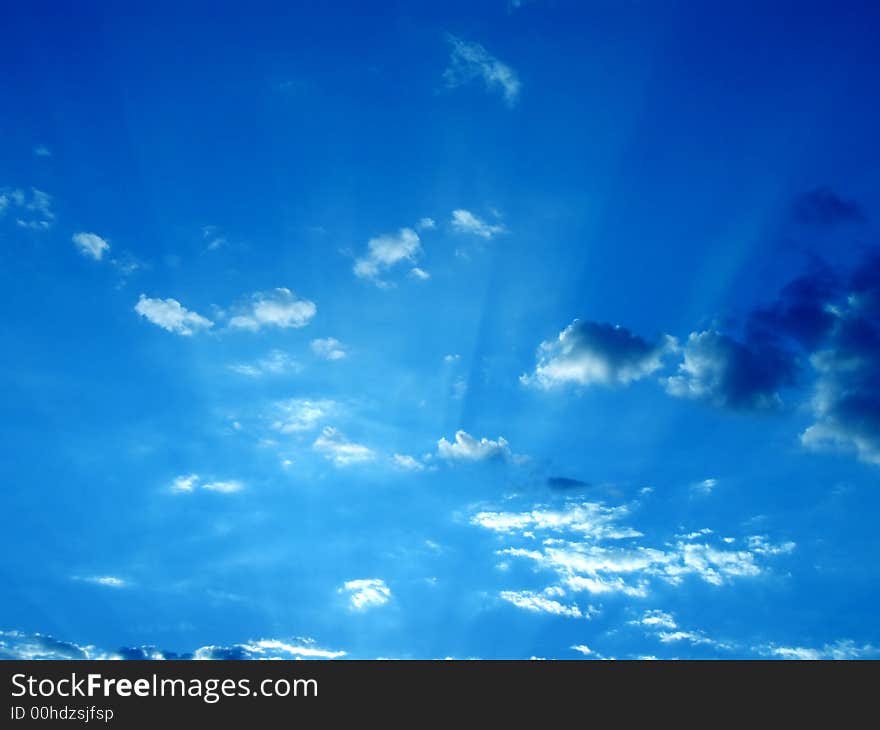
pixel 274 648
pixel 329 348
pixel 449 359
pixel 91 244
pixel 467 448
pixel 108 581
pixel 426 224
pixel 537 603
pixel 588 547
pixel 366 593
pixel 384 252
pixel 656 619
pixel 582 649
pixel 42 150
pixel 470 61
pixel 185 482
pixel 190 482
pixel 301 414
pixel 419 274
pixel 706 486
pixel 407 463
pixel 333 445
pixel 840 650
pixel 227 487
pixel 276 308
pixel 592 353
pixel 170 315
pixel 276 362
pixel 463 221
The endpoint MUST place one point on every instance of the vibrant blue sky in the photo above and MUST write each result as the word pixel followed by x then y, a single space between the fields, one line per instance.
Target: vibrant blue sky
pixel 440 329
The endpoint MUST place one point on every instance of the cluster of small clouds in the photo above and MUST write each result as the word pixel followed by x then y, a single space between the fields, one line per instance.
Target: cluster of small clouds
pixel 191 482
pixel 32 208
pixel 545 602
pixel 366 593
pixel 334 446
pixel 276 362
pixel 589 548
pixel 18 645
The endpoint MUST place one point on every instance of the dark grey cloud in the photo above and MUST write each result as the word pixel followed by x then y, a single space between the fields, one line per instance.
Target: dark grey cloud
pixel 823 207
pixel 566 483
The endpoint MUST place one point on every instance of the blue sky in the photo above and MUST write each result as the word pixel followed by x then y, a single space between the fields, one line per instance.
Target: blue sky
pixel 498 330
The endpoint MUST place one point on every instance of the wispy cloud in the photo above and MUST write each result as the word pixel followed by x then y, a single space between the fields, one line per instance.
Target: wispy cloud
pixel 90 245
pixel 470 61
pixel 42 150
pixel 32 210
pixel 540 603
pixel 191 482
pixel 334 446
pixel 171 315
pixel 277 362
pixel 463 221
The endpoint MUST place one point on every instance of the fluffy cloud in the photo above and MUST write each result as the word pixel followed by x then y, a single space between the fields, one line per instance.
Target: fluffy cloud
pixel 384 252
pixel 366 593
pixel 656 619
pixel 470 61
pixel 90 244
pixel 467 448
pixel 728 373
pixel 276 308
pixel 588 353
pixel 463 221
pixel 170 315
pixel 328 348
pixel 839 650
pixel 334 446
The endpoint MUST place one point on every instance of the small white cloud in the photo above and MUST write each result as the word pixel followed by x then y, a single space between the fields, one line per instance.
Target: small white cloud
pixel 426 224
pixel 656 619
pixel 301 414
pixel 705 487
pixel 467 448
pixel 328 348
pixel 407 463
pixel 223 487
pixel 582 649
pixel 185 483
pixel 384 252
pixel 463 221
pixel 91 244
pixel 276 308
pixel 419 274
pixel 539 604
pixel 334 446
pixel 42 150
pixel 170 315
pixel 366 593
pixel 109 581
pixel 449 359
pixel 470 61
